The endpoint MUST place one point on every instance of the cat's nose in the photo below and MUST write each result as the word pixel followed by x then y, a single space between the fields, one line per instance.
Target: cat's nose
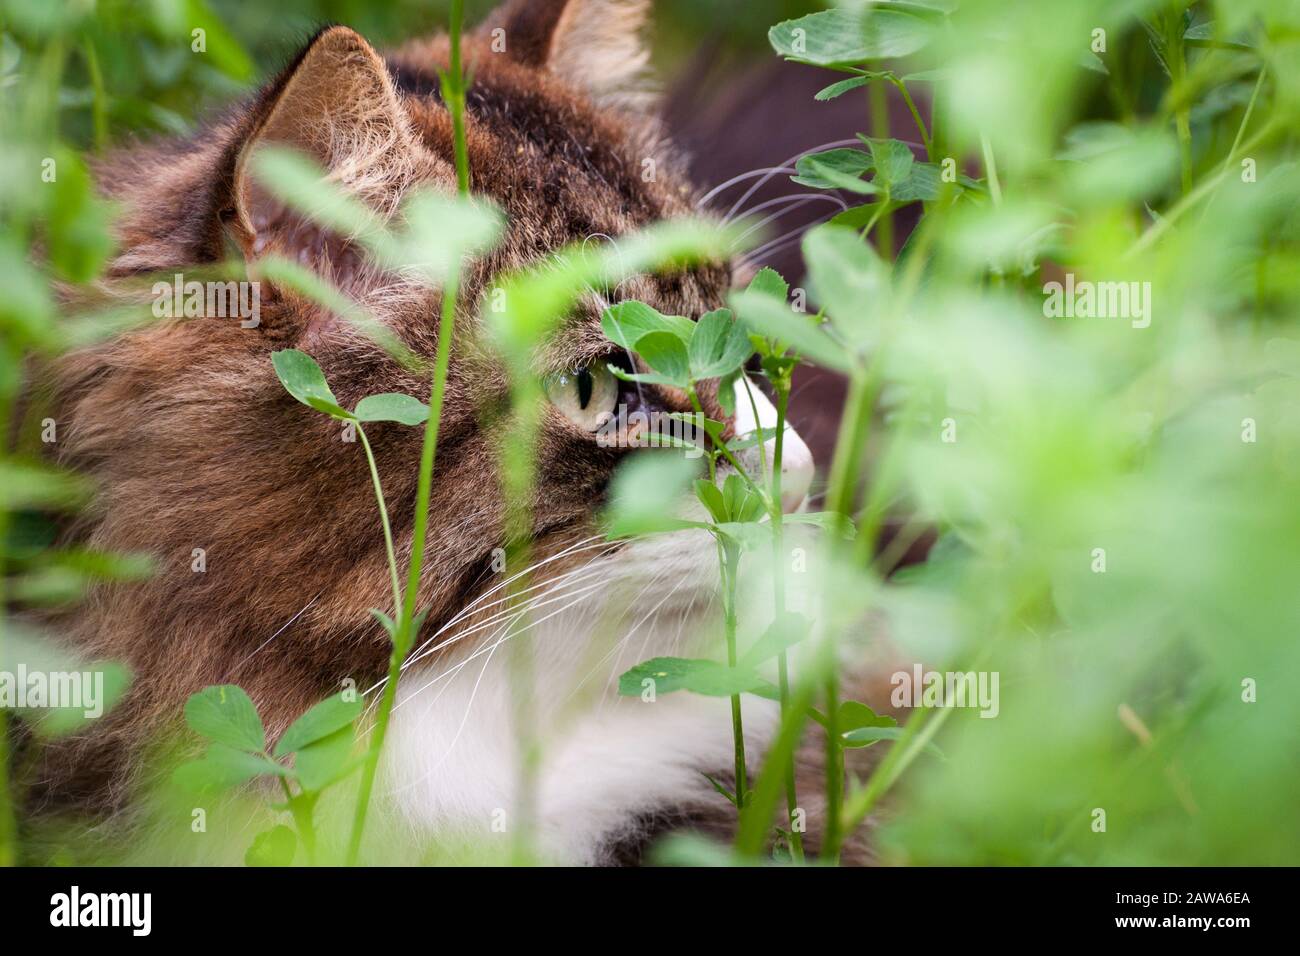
pixel 796 460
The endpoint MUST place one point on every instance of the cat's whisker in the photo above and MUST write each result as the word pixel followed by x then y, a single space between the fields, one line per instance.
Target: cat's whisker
pixel 790 203
pixel 283 627
pixel 509 633
pixel 623 640
pixel 734 180
pixel 551 594
pixel 768 173
pixel 553 590
pixel 755 257
pixel 592 541
pixel 469 706
pixel 616 650
pixel 554 582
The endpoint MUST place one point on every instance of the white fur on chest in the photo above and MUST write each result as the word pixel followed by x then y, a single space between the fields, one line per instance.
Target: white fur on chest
pixel 451 760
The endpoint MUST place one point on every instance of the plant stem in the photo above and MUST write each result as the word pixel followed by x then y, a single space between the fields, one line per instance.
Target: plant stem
pixel 776 511
pixel 756 821
pixel 1236 140
pixel 729 569
pixel 518 469
pixel 991 168
pixel 916 117
pixel 404 638
pixel 850 447
pixel 778 601
pixel 98 108
pixel 300 808
pixel 453 88
pixel 726 453
pixel 917 734
pixel 1203 188
pixel 879 104
pixel 1182 108
pixel 383 519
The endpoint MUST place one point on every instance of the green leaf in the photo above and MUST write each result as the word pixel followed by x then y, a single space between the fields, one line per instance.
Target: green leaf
pixel 440 232
pixel 666 354
pixel 844 86
pixel 845 161
pixel 725 791
pixel 746 535
pixel 842 37
pixel 625 323
pixel 224 714
pixel 303 379
pixel 727 390
pixel 831 521
pixel 719 346
pixel 854 714
pixel 538 297
pixel 647 489
pixel 392 407
pixel 389 624
pixel 820 173
pixel 78 240
pixel 304 187
pixel 1091 61
pixel 648 378
pixel 223 768
pixel 750 439
pixel 1204 35
pixel 711 497
pixel 31 485
pixel 325 760
pixel 866 736
pixel 708 678
pixel 330 715
pixel 742 502
pixel 782 633
pixel 850 280
pixel 860 726
pixel 273 847
pixel 892 160
pixel 768 281
pixel 776 320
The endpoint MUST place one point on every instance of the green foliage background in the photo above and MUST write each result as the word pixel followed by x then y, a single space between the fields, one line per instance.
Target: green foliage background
pixel 1167 159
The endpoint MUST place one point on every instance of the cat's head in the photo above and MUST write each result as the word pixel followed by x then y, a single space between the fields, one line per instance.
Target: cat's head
pixel 198 448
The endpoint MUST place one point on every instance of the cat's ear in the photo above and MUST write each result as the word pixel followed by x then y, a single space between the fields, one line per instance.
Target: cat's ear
pixel 337 104
pixel 596 46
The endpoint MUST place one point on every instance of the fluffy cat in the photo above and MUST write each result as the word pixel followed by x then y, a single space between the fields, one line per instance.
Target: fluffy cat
pixel 194 444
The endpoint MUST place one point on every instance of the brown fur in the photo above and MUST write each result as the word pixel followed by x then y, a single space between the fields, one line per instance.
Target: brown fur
pixel 193 442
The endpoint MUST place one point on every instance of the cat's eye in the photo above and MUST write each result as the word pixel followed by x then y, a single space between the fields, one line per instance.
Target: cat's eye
pixel 586 396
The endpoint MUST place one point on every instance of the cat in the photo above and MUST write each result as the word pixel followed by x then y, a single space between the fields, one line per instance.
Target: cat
pixel 193 444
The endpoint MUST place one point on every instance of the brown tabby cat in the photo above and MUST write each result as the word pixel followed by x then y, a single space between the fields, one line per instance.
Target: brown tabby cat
pixel 195 445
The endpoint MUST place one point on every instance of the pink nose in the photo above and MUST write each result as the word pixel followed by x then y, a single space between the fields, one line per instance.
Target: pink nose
pixel 796 460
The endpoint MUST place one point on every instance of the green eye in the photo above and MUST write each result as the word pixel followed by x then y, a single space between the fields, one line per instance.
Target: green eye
pixel 586 396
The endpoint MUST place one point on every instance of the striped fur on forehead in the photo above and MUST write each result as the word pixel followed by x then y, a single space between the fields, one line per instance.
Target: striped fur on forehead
pixel 561 167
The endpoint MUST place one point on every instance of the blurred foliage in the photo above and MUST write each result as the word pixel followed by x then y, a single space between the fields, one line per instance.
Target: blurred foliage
pixel 1166 156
